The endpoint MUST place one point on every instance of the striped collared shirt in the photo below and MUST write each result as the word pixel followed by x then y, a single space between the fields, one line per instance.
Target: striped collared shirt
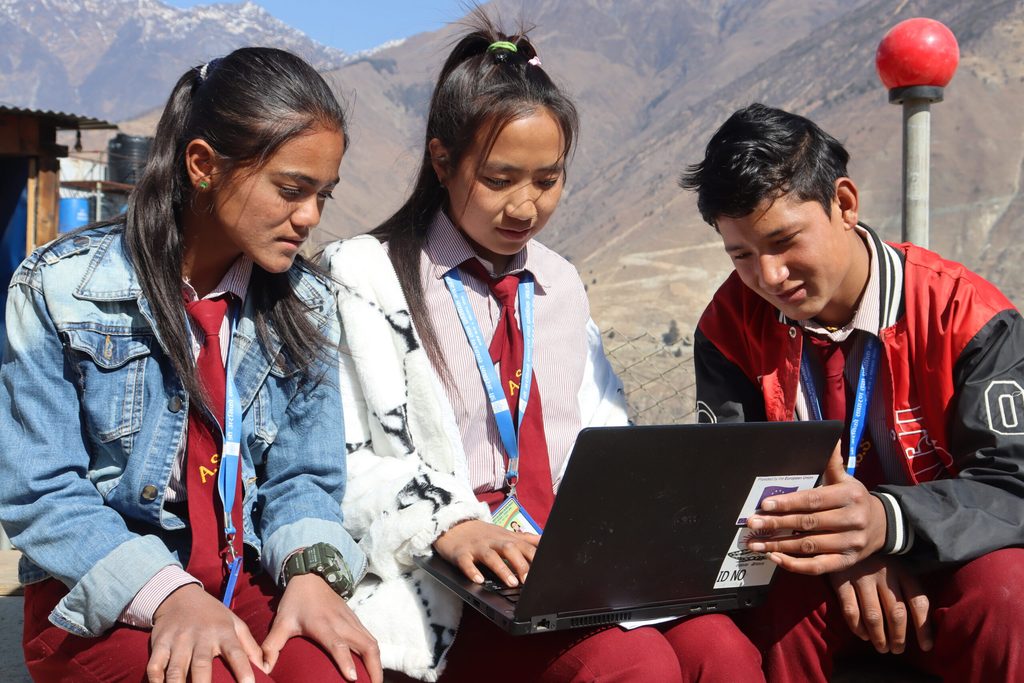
pixel 561 315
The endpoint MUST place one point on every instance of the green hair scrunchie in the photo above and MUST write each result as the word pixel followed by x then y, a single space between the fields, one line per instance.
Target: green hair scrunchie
pixel 502 45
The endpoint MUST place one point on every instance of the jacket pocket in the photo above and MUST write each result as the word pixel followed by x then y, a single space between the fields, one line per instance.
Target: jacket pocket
pixel 111 374
pixel 264 425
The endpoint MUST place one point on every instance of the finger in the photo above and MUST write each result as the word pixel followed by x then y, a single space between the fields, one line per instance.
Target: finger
pixel 468 567
pixel 497 565
pixel 812 566
pixel 201 669
pixel 895 613
pixel 813 500
pixel 871 612
pixel 919 606
pixel 847 595
pixel 157 664
pixel 238 662
pixel 513 556
pixel 274 642
pixel 532 539
pixel 342 657
pixel 178 664
pixel 344 636
pixel 253 651
pixel 529 552
pixel 835 469
pixel 842 508
pixel 839 542
pixel 369 652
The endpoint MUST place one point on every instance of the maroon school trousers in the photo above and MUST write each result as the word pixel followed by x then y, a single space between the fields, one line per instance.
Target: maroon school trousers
pixel 976 613
pixel 121 654
pixel 708 648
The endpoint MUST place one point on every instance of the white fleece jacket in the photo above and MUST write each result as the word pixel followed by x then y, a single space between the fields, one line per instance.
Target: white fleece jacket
pixel 408 481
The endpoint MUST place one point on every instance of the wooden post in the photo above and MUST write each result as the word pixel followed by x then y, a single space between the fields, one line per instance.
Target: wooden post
pixel 31 192
pixel 49 195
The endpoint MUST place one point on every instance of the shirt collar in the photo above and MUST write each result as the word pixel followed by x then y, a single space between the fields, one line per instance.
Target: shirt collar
pixel 235 281
pixel 447 247
pixel 866 318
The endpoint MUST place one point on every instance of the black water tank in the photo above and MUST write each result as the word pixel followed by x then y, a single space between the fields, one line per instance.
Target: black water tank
pixel 127 155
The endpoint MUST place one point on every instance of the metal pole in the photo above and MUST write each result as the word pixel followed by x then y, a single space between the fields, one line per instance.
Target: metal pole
pixel 916 101
pixel 916 163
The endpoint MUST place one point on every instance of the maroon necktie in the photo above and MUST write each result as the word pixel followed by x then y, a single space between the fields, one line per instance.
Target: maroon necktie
pixel 209 547
pixel 832 398
pixel 534 488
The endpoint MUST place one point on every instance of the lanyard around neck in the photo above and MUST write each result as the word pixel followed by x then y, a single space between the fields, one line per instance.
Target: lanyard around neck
pixel 862 398
pixel 488 374
pixel 228 468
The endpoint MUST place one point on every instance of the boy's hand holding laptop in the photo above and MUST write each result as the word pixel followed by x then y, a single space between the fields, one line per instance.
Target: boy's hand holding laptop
pixel 837 524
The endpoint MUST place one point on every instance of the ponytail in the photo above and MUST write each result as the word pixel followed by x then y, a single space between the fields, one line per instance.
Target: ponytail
pixel 153 231
pixel 490 79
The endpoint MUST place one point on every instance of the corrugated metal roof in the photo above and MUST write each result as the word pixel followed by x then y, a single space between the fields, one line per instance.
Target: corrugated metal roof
pixel 61 119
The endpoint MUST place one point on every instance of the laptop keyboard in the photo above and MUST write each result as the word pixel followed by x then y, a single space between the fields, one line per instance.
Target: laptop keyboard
pixel 510 594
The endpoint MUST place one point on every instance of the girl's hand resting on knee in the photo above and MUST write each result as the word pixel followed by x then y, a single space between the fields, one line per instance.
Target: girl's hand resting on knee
pixel 310 608
pixel 500 550
pixel 190 629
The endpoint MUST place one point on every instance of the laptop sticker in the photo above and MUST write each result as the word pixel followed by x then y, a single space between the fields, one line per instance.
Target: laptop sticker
pixel 742 567
pixel 766 487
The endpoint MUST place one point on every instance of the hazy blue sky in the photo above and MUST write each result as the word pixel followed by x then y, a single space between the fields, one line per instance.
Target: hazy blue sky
pixel 354 25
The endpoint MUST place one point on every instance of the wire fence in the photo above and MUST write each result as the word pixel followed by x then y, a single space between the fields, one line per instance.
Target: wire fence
pixel 657 372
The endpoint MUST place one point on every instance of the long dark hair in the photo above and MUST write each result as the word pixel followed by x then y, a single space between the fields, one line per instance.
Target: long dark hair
pixel 246 106
pixel 479 90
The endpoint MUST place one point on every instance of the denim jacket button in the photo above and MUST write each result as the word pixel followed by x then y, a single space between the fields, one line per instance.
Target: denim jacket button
pixel 149 492
pixel 174 404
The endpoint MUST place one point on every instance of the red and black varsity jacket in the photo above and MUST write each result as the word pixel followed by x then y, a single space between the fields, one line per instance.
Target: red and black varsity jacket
pixel 951 374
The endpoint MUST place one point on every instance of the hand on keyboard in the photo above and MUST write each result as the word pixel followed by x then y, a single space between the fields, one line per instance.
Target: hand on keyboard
pixel 507 554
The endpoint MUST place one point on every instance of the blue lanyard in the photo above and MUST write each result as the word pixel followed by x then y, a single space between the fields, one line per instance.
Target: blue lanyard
pixel 228 467
pixel 491 381
pixel 228 472
pixel 862 399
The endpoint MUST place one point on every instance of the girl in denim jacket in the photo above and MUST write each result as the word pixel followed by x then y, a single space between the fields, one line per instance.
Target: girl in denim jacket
pixel 146 485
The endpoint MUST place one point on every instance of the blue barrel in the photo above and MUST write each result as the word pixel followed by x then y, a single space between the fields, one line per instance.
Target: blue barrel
pixel 73 213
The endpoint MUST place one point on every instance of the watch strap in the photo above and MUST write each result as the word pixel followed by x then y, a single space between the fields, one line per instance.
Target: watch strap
pixel 325 561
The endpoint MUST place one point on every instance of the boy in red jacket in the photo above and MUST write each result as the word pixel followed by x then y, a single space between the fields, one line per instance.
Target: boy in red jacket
pixel 909 544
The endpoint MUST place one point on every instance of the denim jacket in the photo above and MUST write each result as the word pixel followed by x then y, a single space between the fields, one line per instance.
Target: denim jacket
pixel 92 416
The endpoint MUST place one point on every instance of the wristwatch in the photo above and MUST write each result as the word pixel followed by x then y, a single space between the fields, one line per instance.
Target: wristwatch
pixel 324 560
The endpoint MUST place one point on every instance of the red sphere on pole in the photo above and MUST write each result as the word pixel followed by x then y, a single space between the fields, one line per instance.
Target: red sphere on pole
pixel 917 52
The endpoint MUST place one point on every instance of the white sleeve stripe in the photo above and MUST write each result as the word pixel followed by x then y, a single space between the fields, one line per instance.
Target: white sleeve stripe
pixel 901 539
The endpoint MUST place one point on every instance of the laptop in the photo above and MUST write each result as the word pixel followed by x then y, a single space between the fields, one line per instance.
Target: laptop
pixel 648 524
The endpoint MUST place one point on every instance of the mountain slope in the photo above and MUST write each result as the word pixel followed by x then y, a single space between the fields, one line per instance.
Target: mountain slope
pixel 118 58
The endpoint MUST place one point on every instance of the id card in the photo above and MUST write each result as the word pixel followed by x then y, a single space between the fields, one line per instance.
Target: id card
pixel 512 515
